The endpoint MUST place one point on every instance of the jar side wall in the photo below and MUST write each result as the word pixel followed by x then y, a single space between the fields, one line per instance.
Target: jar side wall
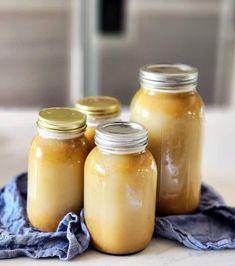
pixel 119 203
pixel 175 124
pixel 55 172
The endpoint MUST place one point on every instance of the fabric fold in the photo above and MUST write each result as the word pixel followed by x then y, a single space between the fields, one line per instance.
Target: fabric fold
pixel 19 238
pixel 212 226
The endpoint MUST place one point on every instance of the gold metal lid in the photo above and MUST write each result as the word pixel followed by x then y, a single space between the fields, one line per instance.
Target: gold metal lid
pixel 61 120
pixel 98 106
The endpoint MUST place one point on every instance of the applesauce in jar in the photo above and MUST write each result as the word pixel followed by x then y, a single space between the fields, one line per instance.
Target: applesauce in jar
pixel 56 167
pixel 169 106
pixel 98 109
pixel 120 189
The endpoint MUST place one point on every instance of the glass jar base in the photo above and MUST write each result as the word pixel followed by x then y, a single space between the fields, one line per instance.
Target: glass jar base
pixel 119 253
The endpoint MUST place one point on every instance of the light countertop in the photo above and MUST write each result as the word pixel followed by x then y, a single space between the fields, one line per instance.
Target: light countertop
pixel 16 130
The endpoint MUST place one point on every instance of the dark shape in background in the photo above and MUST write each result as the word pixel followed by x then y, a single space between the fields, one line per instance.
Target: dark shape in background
pixel 111 16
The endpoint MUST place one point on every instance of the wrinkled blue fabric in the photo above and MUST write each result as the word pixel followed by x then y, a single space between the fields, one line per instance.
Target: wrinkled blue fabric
pixel 18 238
pixel 212 226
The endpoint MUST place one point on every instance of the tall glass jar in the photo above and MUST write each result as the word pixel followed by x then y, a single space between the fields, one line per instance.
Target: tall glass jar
pixel 169 106
pixel 98 109
pixel 56 167
pixel 120 189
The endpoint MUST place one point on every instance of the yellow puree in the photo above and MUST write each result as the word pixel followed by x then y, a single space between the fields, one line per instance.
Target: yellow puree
pixel 90 135
pixel 174 122
pixel 55 180
pixel 119 200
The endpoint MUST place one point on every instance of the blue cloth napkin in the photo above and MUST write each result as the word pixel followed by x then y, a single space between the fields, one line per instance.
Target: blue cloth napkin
pixel 212 226
pixel 18 238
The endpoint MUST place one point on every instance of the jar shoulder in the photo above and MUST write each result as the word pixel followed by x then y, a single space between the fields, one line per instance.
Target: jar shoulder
pixel 173 104
pixel 123 164
pixel 54 149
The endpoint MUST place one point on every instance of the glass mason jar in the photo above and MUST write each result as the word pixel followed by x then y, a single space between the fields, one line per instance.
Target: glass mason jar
pixel 169 106
pixel 98 109
pixel 56 167
pixel 120 189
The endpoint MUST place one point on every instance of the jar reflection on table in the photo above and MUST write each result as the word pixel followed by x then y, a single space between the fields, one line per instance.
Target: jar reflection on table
pixel 172 110
pixel 98 109
pixel 120 189
pixel 56 167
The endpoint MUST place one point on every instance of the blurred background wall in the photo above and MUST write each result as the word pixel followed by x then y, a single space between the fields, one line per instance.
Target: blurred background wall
pixel 53 52
pixel 34 52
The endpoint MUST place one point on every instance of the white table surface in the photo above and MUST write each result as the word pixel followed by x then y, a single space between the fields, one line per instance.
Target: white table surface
pixel 16 130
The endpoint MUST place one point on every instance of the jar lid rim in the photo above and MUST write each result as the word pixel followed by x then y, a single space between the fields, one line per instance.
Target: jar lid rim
pixel 61 119
pixel 98 106
pixel 121 137
pixel 168 74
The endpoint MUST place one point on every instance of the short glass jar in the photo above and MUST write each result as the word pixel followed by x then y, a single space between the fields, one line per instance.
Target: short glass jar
pixel 120 189
pixel 169 106
pixel 98 109
pixel 56 167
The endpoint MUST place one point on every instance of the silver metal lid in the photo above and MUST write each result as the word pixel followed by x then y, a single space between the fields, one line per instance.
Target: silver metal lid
pixel 168 75
pixel 121 137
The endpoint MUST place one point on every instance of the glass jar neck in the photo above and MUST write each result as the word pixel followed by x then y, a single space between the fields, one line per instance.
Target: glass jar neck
pixel 136 151
pixel 151 86
pixel 93 121
pixel 58 135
